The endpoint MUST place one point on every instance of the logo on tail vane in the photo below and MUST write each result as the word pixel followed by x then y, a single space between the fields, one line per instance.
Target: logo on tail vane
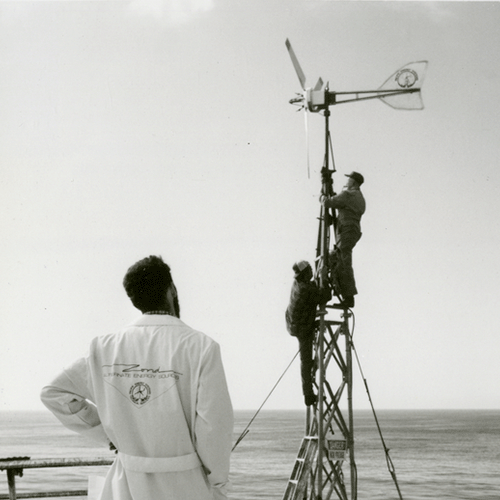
pixel 406 78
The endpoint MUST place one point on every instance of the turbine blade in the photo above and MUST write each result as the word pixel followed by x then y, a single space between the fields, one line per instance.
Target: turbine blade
pixel 307 142
pixel 319 84
pixel 296 65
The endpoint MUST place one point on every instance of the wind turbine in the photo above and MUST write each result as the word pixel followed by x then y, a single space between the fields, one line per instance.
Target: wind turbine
pixel 400 91
pixel 315 471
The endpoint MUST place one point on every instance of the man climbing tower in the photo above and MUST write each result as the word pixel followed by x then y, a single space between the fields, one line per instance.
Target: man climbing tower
pixel 301 321
pixel 351 205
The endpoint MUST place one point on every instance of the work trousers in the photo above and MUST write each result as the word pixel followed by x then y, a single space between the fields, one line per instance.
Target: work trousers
pixel 347 237
pixel 306 362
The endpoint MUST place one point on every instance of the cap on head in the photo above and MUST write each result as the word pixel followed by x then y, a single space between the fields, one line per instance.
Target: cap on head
pixel 357 177
pixel 299 266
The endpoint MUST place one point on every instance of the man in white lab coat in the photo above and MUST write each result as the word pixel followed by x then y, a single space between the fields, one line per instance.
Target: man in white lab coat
pixel 157 393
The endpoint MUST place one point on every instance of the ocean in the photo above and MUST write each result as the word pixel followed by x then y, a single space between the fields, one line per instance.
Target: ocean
pixel 437 454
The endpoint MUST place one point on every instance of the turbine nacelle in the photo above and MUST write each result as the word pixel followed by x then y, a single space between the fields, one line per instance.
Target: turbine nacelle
pixel 316 98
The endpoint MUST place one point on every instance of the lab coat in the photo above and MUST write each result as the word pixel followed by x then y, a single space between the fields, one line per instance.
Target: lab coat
pixel 158 392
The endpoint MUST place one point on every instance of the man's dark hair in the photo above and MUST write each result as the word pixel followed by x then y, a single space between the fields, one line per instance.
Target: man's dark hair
pixel 147 282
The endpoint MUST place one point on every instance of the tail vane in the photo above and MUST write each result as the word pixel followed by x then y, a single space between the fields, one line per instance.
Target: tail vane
pixel 410 77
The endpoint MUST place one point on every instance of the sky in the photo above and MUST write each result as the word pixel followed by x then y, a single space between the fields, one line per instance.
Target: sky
pixel 132 128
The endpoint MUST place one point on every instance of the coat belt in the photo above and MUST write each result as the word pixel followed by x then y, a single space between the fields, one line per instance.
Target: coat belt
pixel 164 464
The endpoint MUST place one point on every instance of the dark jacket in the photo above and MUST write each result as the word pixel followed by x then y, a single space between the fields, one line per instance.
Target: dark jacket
pixel 301 311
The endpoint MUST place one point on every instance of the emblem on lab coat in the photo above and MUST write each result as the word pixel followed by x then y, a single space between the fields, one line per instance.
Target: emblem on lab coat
pixel 140 393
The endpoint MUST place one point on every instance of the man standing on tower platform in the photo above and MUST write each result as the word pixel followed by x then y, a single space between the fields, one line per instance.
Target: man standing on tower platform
pixel 350 204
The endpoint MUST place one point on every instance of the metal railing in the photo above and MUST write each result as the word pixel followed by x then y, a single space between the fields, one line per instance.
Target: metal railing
pixel 15 466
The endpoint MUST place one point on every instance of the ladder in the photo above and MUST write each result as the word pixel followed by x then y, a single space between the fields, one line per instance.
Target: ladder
pixel 299 479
